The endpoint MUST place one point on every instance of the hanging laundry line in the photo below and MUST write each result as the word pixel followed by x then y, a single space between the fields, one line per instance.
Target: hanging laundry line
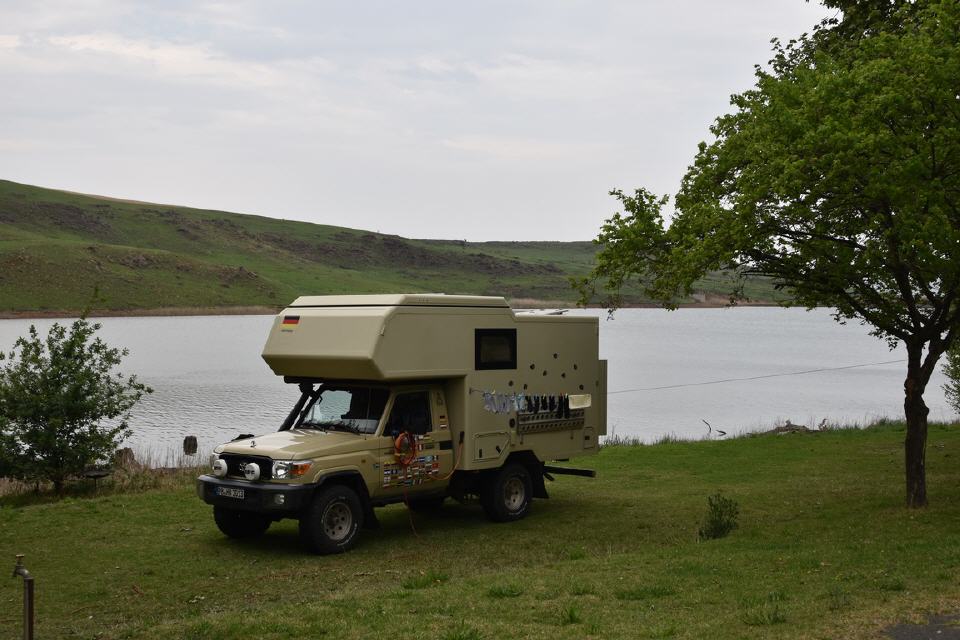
pixel 769 375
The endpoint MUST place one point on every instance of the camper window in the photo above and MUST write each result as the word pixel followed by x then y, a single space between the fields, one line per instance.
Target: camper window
pixel 495 349
pixel 411 412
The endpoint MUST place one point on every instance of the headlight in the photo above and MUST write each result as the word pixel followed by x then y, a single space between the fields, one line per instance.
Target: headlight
pixel 287 469
pixel 219 467
pixel 251 471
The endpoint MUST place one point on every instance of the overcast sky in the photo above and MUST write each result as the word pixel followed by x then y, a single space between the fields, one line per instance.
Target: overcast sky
pixel 482 120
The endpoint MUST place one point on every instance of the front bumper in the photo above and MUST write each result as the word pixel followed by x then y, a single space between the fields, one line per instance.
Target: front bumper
pixel 261 497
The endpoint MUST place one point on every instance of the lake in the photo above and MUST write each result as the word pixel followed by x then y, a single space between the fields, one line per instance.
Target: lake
pixel 209 380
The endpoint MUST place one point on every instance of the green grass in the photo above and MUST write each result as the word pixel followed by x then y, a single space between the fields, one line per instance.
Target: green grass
pixel 55 247
pixel 825 549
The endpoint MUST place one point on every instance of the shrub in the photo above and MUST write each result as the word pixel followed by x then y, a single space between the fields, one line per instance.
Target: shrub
pixel 721 518
pixel 62 405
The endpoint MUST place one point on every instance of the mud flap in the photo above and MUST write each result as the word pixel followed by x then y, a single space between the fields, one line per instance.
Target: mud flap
pixel 539 488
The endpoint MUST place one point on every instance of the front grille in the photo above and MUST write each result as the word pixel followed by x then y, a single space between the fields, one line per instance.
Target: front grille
pixel 236 463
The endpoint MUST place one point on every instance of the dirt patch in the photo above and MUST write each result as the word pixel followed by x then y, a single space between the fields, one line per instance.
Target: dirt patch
pixel 238 274
pixel 136 261
pixel 68 216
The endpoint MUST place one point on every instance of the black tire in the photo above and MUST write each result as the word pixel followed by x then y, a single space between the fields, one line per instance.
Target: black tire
pixel 332 521
pixel 240 524
pixel 506 494
pixel 426 505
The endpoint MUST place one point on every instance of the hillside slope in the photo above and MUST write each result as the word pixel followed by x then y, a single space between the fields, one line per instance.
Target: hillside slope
pixel 57 246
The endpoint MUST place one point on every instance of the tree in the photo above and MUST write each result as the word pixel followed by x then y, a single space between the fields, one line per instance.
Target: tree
pixel 62 407
pixel 838 176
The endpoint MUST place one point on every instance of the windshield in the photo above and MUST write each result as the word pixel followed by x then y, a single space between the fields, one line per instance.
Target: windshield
pixel 356 409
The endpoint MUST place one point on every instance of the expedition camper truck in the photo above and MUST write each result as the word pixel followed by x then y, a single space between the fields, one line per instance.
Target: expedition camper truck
pixel 411 398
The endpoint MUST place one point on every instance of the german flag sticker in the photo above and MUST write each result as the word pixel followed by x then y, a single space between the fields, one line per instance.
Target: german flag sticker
pixel 289 323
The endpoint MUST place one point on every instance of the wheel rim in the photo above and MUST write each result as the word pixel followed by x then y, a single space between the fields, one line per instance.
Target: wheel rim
pixel 337 521
pixel 514 493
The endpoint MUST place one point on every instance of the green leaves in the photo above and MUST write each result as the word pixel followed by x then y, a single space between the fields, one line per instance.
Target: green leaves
pixel 62 407
pixel 633 245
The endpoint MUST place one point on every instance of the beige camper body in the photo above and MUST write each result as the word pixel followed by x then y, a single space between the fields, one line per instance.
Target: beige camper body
pixel 508 392
pixel 404 338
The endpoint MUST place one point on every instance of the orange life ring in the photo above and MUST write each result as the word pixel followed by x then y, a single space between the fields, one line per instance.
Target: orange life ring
pixel 405 448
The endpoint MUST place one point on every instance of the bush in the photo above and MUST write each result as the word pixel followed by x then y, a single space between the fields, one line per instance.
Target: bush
pixel 56 393
pixel 951 368
pixel 721 518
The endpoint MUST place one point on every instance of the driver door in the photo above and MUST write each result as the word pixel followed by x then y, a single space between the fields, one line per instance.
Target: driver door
pixel 423 414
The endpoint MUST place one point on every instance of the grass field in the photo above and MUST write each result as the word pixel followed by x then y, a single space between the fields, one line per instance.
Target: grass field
pixel 825 549
pixel 56 247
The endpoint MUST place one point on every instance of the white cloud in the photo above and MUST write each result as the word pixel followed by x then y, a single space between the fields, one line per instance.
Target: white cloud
pixel 190 61
pixel 518 149
pixel 376 114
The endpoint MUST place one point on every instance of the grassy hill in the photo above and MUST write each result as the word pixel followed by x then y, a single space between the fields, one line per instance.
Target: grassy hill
pixel 56 246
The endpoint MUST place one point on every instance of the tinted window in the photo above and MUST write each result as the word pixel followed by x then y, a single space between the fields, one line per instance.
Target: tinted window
pixel 496 348
pixel 411 412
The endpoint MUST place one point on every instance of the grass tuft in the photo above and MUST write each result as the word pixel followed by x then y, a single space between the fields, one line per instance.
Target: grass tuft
pixel 147 471
pixel 570 615
pixel 767 612
pixel 425 579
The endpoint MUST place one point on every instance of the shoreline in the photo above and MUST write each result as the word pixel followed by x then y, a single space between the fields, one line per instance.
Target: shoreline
pixel 263 310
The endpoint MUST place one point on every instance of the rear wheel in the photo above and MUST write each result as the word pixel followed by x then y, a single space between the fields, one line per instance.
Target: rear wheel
pixel 240 524
pixel 332 521
pixel 506 496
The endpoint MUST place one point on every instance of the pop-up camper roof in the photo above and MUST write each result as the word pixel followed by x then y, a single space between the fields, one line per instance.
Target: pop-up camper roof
pixel 399 300
pixel 391 337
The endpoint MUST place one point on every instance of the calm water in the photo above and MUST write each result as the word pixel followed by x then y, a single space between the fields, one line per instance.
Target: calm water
pixel 209 380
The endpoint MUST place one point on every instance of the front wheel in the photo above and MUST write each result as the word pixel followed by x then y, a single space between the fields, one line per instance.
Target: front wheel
pixel 240 524
pixel 506 496
pixel 332 521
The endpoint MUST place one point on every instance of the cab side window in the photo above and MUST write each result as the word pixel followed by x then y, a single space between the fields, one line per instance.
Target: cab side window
pixel 411 412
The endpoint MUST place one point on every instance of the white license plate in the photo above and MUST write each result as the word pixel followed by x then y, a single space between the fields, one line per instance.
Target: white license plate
pixel 229 492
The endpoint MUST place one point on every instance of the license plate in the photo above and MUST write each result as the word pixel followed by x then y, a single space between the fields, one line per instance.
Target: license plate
pixel 229 492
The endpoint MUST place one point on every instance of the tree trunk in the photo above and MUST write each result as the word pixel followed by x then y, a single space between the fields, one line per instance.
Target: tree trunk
pixel 915 444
